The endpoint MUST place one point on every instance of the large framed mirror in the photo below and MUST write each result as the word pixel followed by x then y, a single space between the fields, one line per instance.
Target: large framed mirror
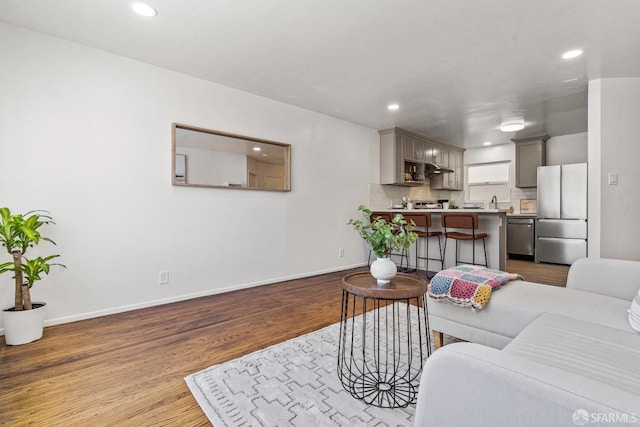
pixel 210 158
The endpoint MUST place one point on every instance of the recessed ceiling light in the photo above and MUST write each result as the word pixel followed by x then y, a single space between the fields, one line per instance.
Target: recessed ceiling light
pixel 512 127
pixel 486 143
pixel 572 54
pixel 393 106
pixel 257 149
pixel 143 9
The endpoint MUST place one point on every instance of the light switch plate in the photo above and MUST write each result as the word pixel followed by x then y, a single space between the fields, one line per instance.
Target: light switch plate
pixel 163 278
pixel 613 178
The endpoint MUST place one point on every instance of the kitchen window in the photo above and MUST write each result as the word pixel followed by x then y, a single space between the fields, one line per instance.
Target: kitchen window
pixel 486 180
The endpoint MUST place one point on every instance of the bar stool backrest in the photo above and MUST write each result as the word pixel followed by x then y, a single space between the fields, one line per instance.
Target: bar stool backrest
pixel 466 220
pixel 384 215
pixel 420 220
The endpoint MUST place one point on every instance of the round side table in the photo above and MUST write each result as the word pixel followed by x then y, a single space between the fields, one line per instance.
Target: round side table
pixel 384 338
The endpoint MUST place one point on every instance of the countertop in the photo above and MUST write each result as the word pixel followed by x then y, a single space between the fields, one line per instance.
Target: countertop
pixel 480 211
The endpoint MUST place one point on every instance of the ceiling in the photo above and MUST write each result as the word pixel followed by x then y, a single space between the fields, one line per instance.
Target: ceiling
pixel 457 68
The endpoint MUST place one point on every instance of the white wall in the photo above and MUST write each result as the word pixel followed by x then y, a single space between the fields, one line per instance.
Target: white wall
pixel 495 153
pixel 594 143
pixel 567 149
pixel 501 153
pixel 87 135
pixel 614 141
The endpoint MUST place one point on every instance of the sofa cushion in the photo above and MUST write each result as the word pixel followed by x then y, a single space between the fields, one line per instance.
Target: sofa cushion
pixel 609 356
pixel 612 277
pixel 513 307
pixel 467 384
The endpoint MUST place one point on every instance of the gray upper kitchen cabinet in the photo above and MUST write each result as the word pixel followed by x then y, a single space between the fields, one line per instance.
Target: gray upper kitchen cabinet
pixel 434 153
pixel 398 159
pixel 404 156
pixel 413 148
pixel 456 179
pixel 530 154
pixel 452 159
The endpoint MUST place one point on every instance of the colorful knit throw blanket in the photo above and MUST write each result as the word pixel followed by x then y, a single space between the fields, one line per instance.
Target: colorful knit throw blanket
pixel 468 285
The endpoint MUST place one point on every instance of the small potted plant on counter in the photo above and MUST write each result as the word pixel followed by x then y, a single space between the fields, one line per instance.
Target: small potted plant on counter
pixel 24 322
pixel 383 237
pixel 407 203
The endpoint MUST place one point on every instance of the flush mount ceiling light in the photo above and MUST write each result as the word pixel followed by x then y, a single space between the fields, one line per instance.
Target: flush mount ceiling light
pixel 512 126
pixel 572 54
pixel 143 9
pixel 486 143
pixel 257 149
pixel 393 107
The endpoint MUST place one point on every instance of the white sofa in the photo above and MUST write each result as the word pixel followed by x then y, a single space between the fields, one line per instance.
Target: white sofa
pixel 538 354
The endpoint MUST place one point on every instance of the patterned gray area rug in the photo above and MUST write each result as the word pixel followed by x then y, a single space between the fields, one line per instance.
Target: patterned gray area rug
pixel 293 383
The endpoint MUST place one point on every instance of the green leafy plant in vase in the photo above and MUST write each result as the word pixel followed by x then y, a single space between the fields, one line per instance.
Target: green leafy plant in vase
pixel 19 233
pixel 384 237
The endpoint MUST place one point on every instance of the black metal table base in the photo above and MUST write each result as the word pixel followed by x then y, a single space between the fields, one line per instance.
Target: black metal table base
pixel 383 392
pixel 380 354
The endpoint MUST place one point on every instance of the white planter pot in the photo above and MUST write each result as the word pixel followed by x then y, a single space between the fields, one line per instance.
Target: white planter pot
pixel 383 269
pixel 22 327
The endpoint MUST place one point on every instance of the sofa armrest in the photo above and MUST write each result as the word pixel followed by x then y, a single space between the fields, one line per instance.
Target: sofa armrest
pixel 470 384
pixel 611 277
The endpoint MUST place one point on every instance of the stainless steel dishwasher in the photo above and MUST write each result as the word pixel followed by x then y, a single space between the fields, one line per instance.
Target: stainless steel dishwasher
pixel 521 236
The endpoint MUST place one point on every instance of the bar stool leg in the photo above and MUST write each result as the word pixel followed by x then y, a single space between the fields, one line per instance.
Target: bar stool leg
pixel 417 258
pixel 473 250
pixel 444 252
pixel 484 245
pixel 427 258
pixel 426 261
pixel 457 259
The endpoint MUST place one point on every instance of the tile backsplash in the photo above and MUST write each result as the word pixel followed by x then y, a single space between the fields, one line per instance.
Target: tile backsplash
pixel 521 193
pixel 384 196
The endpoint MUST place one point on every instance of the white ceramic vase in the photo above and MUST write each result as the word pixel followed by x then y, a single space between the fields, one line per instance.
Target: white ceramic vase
pixel 25 326
pixel 383 269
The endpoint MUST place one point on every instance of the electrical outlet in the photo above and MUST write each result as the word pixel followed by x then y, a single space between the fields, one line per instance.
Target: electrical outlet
pixel 163 278
pixel 340 252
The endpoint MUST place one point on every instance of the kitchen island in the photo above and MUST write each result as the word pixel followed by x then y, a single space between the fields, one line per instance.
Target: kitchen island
pixel 491 221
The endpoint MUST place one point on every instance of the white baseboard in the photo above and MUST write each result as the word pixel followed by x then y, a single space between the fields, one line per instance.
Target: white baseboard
pixel 147 304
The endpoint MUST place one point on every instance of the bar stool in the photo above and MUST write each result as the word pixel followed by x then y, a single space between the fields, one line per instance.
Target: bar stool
pixel 423 220
pixel 466 221
pixel 403 255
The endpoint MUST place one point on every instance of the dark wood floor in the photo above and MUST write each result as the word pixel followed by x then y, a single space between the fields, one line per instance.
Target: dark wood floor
pixel 550 274
pixel 127 369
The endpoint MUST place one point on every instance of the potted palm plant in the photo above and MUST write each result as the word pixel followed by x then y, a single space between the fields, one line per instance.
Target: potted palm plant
pixel 383 237
pixel 23 323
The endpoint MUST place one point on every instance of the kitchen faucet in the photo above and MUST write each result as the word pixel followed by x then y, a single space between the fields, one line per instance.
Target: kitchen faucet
pixel 494 202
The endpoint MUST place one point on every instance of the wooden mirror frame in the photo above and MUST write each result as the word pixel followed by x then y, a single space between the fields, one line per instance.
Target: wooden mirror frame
pixel 180 170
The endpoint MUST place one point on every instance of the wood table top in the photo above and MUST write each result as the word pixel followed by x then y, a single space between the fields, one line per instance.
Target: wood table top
pixel 401 287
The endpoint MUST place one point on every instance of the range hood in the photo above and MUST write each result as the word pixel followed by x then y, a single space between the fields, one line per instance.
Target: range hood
pixel 431 170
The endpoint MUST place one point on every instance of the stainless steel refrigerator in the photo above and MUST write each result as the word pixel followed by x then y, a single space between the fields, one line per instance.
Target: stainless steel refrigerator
pixel 561 225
